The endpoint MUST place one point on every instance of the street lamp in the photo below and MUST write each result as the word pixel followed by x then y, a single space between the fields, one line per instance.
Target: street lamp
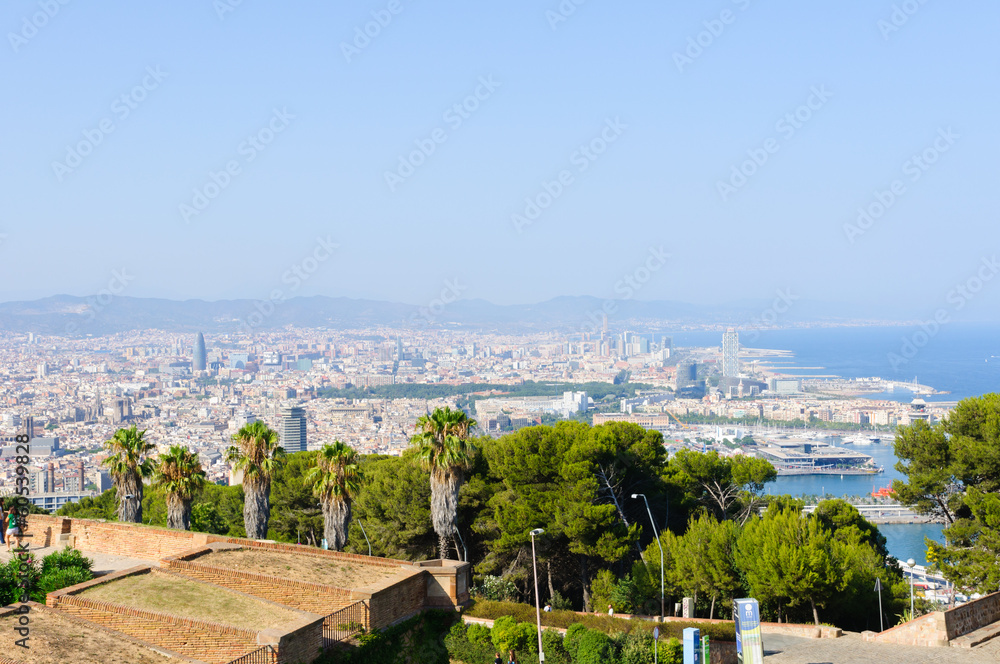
pixel 655 532
pixel 910 563
pixel 538 606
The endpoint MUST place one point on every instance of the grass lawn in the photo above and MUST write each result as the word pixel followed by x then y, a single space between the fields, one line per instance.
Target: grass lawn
pixel 190 599
pixel 55 640
pixel 312 569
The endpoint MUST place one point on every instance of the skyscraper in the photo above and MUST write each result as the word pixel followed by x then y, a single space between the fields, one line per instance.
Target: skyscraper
pixel 293 429
pixel 730 354
pixel 198 362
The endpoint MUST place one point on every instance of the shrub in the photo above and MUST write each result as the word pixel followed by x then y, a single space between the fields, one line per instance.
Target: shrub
pixel 13 574
pixel 68 558
pixel 560 603
pixel 601 622
pixel 555 651
pixel 625 596
pixel 600 590
pixel 673 651
pixel 479 634
pixel 636 649
pixel 508 634
pixel 572 641
pixel 58 579
pixel 595 648
pixel 495 588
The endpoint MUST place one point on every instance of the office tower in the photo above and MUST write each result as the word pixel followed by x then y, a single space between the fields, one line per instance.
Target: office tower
pixel 198 362
pixel 399 348
pixel 604 325
pixel 730 354
pixel 292 435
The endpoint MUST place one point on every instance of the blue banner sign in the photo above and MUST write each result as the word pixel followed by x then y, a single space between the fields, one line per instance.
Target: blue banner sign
pixel 692 645
pixel 749 644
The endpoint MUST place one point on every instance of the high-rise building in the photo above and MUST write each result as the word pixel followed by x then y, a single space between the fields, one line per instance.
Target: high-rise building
pixel 292 435
pixel 730 353
pixel 199 360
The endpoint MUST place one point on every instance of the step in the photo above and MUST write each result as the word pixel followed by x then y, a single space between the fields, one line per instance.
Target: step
pixel 978 637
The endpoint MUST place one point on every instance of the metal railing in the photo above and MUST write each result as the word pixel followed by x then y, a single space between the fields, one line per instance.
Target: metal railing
pixel 343 624
pixel 262 655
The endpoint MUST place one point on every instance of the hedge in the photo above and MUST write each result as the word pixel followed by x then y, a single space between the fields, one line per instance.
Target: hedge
pixel 491 610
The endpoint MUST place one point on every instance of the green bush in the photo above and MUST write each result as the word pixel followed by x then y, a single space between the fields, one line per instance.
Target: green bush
pixel 572 641
pixel 601 622
pixel 601 589
pixel 560 603
pixel 58 579
pixel 636 649
pixel 495 588
pixel 16 572
pixel 508 634
pixel 478 634
pixel 555 651
pixel 68 558
pixel 673 651
pixel 595 648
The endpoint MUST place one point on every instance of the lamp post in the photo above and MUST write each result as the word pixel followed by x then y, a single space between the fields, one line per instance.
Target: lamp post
pixel 655 532
pixel 538 606
pixel 910 563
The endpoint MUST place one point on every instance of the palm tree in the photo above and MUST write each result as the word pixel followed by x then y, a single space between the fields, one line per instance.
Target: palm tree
pixel 444 449
pixel 336 479
pixel 256 454
pixel 129 466
pixel 179 473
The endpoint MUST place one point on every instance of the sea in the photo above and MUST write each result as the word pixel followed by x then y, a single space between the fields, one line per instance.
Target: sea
pixel 962 360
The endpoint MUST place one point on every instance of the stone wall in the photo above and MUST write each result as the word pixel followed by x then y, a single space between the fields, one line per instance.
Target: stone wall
pixel 203 640
pixel 971 616
pixel 927 630
pixel 313 597
pixel 395 599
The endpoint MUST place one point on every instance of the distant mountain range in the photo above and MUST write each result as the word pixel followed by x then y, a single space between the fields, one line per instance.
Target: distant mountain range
pixel 66 315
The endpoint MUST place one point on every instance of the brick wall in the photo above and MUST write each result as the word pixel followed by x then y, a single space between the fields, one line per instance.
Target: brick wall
pixel 207 641
pixel 971 616
pixel 312 597
pixel 396 599
pixel 927 630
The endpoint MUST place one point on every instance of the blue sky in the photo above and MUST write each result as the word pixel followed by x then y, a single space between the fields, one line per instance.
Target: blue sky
pixel 553 86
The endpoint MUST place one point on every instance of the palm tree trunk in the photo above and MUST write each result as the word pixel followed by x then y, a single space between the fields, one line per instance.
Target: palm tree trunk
pixel 256 508
pixel 445 485
pixel 130 509
pixel 336 521
pixel 178 512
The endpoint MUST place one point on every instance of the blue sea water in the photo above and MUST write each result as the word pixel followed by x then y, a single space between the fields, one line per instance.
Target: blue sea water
pixel 961 359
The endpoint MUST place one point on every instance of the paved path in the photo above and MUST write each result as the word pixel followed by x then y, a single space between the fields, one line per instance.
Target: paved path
pixel 103 562
pixel 850 649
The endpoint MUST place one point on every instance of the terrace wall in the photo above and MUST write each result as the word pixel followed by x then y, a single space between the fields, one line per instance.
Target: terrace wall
pixel 938 628
pixel 200 639
pixel 313 597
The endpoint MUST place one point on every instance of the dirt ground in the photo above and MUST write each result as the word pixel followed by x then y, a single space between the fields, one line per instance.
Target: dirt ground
pixel 312 569
pixel 54 640
pixel 190 599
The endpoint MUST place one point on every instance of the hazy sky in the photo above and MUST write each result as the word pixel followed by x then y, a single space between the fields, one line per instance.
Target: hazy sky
pixel 663 119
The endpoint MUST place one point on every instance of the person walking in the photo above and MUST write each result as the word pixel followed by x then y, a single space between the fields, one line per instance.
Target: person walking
pixel 3 520
pixel 12 529
pixel 513 657
pixel 498 659
pixel 611 611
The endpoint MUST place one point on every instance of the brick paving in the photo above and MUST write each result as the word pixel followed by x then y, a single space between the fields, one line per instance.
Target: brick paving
pixel 850 649
pixel 104 563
